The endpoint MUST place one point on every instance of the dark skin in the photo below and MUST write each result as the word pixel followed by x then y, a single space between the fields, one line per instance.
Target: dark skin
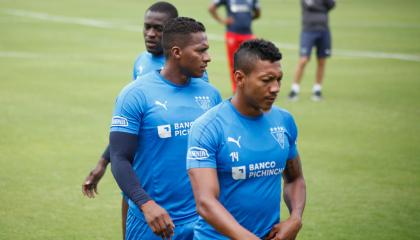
pixel 256 93
pixel 152 33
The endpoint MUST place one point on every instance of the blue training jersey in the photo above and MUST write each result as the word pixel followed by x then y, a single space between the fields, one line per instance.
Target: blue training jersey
pixel 147 62
pixel 242 12
pixel 161 114
pixel 249 155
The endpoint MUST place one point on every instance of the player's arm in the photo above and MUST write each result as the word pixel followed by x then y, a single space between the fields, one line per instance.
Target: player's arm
pixel 90 185
pixel 123 148
pixel 256 13
pixel 213 12
pixel 330 4
pixel 205 186
pixel 294 193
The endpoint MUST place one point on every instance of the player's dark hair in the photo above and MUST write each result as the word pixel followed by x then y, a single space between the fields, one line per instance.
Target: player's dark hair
pixel 252 50
pixel 164 7
pixel 176 32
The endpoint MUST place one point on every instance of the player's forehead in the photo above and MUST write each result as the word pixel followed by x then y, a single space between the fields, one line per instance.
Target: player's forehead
pixel 155 18
pixel 262 68
pixel 198 39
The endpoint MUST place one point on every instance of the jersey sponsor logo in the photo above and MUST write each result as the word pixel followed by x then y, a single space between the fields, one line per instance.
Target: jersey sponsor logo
pixel 182 128
pixel 232 140
pixel 203 102
pixel 162 104
pixel 118 121
pixel 237 8
pixel 278 135
pixel 197 153
pixel 239 172
pixel 164 131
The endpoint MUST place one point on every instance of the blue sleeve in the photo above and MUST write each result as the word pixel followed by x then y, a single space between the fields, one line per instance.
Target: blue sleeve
pixel 292 136
pixel 136 67
pixel 128 111
pixel 202 146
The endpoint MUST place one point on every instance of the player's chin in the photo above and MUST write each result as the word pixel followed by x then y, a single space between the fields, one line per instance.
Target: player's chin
pixel 197 74
pixel 266 107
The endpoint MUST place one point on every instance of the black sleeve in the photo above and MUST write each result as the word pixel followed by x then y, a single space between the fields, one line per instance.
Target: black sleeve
pixel 123 148
pixel 106 155
pixel 330 4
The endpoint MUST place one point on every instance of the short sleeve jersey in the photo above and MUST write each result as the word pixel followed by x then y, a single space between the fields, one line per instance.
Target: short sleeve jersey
pixel 249 155
pixel 147 62
pixel 241 11
pixel 161 114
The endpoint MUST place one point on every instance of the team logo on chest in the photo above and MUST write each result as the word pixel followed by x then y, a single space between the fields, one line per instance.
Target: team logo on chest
pixel 203 102
pixel 278 135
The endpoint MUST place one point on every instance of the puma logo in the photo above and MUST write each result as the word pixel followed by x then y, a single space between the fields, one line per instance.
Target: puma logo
pixel 231 139
pixel 161 104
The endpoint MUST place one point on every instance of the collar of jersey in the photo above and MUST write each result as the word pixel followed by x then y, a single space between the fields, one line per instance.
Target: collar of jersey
pixel 241 115
pixel 171 83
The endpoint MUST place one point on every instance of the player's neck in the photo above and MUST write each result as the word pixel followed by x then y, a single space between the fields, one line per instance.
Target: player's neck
pixel 174 74
pixel 243 107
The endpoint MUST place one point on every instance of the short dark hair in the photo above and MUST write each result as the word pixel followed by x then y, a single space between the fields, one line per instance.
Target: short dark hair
pixel 252 50
pixel 176 32
pixel 164 7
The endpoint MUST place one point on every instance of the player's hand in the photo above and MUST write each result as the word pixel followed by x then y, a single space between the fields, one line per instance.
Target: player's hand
pixel 90 185
pixel 228 21
pixel 286 230
pixel 158 219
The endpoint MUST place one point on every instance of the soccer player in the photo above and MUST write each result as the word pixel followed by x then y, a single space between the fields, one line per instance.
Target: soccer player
pixel 315 32
pixel 238 151
pixel 150 60
pixel 148 139
pixel 240 14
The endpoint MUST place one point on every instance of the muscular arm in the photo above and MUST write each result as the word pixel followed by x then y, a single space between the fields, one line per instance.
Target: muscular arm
pixel 206 193
pixel 123 148
pixel 215 15
pixel 294 193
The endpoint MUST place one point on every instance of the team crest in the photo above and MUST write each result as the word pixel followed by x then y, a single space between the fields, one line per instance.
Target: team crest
pixel 203 102
pixel 278 135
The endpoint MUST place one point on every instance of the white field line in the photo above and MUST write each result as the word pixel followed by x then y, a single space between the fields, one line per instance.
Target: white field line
pixel 215 37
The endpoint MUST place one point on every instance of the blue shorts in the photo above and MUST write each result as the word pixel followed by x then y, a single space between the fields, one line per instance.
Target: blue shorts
pixel 137 229
pixel 320 39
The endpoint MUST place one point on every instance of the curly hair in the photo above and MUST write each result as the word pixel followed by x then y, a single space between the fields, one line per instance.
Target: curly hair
pixel 177 30
pixel 252 50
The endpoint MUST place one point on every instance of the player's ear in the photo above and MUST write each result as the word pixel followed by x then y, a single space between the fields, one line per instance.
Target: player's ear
pixel 176 52
pixel 239 77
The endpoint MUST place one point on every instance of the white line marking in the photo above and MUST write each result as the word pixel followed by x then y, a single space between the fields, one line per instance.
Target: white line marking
pixel 215 37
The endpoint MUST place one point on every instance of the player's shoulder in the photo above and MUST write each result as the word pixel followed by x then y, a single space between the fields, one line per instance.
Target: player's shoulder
pixel 139 87
pixel 211 116
pixel 278 112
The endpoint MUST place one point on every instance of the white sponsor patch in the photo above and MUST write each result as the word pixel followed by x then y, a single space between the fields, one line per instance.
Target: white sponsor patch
pixel 164 131
pixel 197 153
pixel 118 121
pixel 239 172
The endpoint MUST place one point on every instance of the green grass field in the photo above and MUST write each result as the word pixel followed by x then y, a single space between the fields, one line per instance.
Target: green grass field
pixel 63 62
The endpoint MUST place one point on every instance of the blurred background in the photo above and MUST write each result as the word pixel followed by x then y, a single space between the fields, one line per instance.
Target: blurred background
pixel 62 63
